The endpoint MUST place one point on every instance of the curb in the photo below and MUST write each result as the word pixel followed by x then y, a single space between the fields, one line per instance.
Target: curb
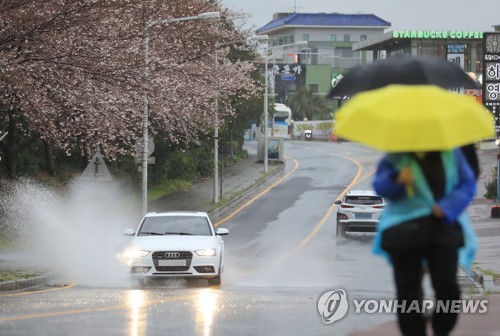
pixel 250 191
pixel 16 285
pixel 471 280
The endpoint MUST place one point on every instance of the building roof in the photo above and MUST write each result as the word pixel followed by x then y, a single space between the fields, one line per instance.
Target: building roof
pixel 325 19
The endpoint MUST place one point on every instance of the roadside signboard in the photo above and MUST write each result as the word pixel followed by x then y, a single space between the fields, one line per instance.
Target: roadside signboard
pixel 288 77
pixel 491 76
pixel 139 149
pixel 96 170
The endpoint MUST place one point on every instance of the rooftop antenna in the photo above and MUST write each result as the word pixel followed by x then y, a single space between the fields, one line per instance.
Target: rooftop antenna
pixel 295 6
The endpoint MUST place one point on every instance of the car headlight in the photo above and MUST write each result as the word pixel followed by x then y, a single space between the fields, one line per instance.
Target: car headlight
pixel 206 253
pixel 133 253
pixel 128 256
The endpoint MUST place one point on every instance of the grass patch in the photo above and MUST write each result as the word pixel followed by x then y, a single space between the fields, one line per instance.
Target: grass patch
pixel 4 243
pixel 9 275
pixel 490 273
pixel 155 193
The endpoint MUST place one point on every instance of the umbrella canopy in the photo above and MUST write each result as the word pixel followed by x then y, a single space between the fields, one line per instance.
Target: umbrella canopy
pixel 412 70
pixel 407 118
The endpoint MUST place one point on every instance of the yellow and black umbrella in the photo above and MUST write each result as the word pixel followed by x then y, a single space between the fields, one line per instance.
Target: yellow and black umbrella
pixel 404 118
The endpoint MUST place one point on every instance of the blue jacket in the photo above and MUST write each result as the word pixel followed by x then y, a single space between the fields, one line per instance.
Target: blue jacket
pixel 460 187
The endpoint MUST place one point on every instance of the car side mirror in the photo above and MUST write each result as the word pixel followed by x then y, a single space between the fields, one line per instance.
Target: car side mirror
pixel 129 232
pixel 338 202
pixel 222 232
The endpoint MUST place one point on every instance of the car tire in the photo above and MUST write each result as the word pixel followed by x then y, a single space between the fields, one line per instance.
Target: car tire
pixel 141 283
pixel 341 228
pixel 215 281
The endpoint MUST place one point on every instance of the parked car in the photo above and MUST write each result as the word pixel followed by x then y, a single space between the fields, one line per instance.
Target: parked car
pixel 359 211
pixel 176 244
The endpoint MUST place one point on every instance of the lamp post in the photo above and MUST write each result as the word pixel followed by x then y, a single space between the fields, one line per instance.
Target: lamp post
pixel 209 16
pixel 216 115
pixel 266 112
pixel 216 140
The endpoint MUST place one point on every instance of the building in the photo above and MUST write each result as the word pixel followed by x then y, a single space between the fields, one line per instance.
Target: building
pixel 319 45
pixel 465 48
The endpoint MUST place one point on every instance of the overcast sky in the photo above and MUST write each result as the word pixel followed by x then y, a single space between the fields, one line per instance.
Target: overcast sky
pixel 478 15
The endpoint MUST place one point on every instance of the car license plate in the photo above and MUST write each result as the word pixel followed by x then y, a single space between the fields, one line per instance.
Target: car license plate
pixel 363 215
pixel 167 263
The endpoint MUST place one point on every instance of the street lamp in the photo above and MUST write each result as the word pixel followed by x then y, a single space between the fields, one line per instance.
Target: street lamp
pixel 266 112
pixel 208 16
pixel 216 114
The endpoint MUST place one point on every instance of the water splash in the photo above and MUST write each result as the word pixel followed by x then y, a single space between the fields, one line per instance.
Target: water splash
pixel 77 233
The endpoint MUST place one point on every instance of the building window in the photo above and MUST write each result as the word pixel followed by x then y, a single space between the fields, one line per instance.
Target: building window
pixel 362 37
pixel 333 37
pixel 347 38
pixel 305 37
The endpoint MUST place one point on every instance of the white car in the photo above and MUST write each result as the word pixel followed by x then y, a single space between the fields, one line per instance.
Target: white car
pixel 176 244
pixel 359 211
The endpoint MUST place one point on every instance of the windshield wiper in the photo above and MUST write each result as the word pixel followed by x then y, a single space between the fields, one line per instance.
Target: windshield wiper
pixel 179 233
pixel 151 233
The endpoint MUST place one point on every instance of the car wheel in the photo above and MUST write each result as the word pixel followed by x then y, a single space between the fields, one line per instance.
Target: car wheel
pixel 215 281
pixel 341 230
pixel 141 283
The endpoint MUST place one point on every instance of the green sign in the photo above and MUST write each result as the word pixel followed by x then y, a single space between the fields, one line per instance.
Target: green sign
pixel 437 34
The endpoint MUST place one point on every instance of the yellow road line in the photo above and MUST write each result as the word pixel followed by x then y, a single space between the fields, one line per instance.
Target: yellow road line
pixel 316 229
pixel 357 179
pixel 39 291
pixel 93 310
pixel 253 199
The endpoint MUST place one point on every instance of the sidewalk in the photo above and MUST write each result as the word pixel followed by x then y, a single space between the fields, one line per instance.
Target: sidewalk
pixel 239 182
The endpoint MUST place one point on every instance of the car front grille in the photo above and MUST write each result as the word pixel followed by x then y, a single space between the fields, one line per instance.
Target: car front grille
pixel 160 257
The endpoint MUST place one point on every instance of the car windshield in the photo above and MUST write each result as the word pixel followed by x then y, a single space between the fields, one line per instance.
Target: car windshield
pixel 175 225
pixel 364 200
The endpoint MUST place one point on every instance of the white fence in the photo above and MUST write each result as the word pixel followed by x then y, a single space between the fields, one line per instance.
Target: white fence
pixel 321 129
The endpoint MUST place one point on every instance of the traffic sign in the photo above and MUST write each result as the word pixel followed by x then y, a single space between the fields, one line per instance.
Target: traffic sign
pixel 96 170
pixel 139 148
pixel 288 78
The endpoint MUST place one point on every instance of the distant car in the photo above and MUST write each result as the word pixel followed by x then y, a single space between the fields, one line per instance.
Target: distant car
pixel 176 244
pixel 359 211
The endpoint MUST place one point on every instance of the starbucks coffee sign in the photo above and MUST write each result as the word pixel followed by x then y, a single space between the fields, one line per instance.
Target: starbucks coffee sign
pixel 437 34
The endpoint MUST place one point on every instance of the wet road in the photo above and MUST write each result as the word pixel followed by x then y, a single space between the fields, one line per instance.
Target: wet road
pixel 281 256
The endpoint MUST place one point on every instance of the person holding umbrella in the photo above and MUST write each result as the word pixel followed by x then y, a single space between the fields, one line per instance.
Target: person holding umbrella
pixel 425 228
pixel 428 185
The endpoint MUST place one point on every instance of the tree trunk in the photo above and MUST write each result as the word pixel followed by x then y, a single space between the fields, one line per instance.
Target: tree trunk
pixel 50 164
pixel 8 149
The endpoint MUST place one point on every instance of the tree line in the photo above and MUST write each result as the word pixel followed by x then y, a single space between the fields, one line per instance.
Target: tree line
pixel 75 75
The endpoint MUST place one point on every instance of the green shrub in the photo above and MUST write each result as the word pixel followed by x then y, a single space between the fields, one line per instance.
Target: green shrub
pixel 492 185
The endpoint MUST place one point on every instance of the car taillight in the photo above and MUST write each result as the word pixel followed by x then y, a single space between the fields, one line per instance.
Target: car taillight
pixel 344 206
pixel 378 206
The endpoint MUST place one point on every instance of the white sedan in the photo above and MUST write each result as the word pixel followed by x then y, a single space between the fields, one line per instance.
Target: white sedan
pixel 176 244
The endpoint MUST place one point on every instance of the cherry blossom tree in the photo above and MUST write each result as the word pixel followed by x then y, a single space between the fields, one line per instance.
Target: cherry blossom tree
pixel 72 73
